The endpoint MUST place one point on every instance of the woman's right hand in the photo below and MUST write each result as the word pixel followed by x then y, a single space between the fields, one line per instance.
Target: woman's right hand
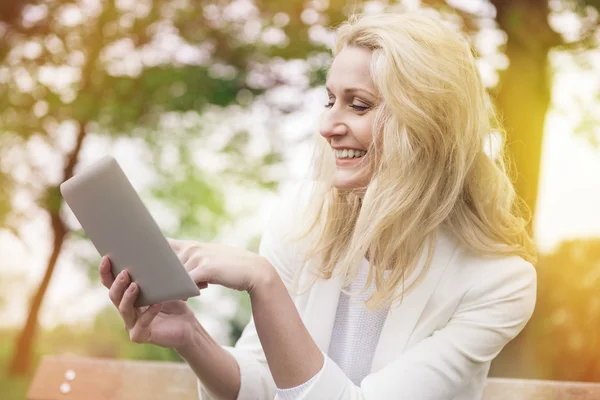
pixel 169 324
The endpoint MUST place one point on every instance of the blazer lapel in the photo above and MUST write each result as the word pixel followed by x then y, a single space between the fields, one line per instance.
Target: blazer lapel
pixel 321 308
pixel 403 317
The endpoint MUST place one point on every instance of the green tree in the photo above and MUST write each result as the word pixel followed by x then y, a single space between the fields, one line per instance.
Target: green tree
pixel 59 71
pixel 523 92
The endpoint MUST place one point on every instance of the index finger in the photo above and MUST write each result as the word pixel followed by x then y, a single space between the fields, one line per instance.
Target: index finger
pixel 106 275
pixel 174 243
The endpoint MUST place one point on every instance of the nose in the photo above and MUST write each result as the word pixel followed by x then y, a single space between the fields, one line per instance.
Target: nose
pixel 332 125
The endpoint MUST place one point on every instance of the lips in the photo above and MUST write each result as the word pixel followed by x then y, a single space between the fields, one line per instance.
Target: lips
pixel 348 162
pixel 349 153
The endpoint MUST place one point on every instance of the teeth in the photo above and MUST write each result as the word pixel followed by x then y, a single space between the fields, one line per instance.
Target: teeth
pixel 349 153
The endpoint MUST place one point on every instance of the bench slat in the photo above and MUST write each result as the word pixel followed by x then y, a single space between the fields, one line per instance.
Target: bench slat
pixel 109 379
pixel 102 379
pixel 525 389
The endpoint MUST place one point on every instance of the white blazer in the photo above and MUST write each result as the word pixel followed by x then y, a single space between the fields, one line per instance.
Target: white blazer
pixel 436 344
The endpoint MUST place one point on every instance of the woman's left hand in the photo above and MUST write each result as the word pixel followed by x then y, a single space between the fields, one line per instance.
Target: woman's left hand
pixel 231 267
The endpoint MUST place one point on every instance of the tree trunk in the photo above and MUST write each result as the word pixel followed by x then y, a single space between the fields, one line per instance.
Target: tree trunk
pixel 20 363
pixel 523 93
pixel 21 359
pixel 523 98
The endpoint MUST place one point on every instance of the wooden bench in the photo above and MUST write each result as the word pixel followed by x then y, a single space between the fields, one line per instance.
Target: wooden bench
pixel 82 378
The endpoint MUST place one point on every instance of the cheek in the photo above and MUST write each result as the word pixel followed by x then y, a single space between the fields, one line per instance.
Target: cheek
pixel 363 132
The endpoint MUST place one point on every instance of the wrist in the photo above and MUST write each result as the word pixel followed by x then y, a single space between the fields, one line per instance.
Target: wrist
pixel 264 278
pixel 217 370
pixel 196 338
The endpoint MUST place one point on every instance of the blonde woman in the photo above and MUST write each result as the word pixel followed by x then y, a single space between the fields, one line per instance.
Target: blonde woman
pixel 415 267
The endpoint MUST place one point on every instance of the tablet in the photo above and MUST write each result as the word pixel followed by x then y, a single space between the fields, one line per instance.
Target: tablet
pixel 121 227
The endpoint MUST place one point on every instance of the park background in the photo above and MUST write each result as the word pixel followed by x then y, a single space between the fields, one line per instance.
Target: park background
pixel 211 108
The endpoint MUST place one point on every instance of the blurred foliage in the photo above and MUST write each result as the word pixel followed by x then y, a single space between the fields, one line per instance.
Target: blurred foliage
pixel 563 335
pixel 241 317
pixel 113 68
pixel 72 69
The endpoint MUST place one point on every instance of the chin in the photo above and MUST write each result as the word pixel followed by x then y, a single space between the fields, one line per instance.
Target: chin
pixel 346 181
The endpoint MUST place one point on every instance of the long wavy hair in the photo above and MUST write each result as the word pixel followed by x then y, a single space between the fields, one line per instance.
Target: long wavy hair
pixel 431 168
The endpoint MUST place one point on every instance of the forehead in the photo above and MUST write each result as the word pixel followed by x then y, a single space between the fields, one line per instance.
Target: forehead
pixel 351 67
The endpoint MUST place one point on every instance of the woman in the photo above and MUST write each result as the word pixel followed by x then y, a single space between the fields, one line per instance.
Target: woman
pixel 415 268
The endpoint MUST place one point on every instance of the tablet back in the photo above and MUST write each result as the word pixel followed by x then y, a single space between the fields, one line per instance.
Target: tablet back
pixel 120 226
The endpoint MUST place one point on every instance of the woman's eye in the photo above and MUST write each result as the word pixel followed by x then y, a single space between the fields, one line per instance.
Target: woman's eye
pixel 354 106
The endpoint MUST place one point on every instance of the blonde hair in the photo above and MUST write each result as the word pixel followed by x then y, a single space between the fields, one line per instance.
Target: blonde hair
pixel 430 168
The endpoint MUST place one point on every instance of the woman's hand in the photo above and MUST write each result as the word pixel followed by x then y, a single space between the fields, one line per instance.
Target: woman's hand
pixel 231 267
pixel 170 324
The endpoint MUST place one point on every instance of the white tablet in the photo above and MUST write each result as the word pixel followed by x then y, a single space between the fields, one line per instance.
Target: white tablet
pixel 121 227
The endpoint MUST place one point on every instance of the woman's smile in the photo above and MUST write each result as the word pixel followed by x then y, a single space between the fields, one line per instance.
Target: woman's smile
pixel 348 157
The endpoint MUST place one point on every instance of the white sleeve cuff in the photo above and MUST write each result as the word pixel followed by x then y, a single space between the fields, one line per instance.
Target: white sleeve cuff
pixel 331 384
pixel 296 392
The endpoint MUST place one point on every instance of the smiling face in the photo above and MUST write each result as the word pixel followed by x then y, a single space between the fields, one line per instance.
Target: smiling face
pixel 347 124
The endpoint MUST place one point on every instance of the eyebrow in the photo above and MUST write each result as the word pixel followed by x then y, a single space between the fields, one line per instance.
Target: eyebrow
pixel 355 90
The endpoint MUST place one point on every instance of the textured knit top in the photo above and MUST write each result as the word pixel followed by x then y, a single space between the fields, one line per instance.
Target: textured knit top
pixel 355 334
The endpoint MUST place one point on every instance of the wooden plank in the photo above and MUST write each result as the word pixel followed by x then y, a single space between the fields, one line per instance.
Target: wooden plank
pixel 526 389
pixel 82 378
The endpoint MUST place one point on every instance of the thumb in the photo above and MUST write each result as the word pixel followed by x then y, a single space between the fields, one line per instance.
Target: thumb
pixel 140 333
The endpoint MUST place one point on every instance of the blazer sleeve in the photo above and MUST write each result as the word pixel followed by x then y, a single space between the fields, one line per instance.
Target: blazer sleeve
pixel 492 312
pixel 255 377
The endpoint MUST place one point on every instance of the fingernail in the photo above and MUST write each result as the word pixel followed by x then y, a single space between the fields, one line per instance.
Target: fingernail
pixel 132 288
pixel 122 275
